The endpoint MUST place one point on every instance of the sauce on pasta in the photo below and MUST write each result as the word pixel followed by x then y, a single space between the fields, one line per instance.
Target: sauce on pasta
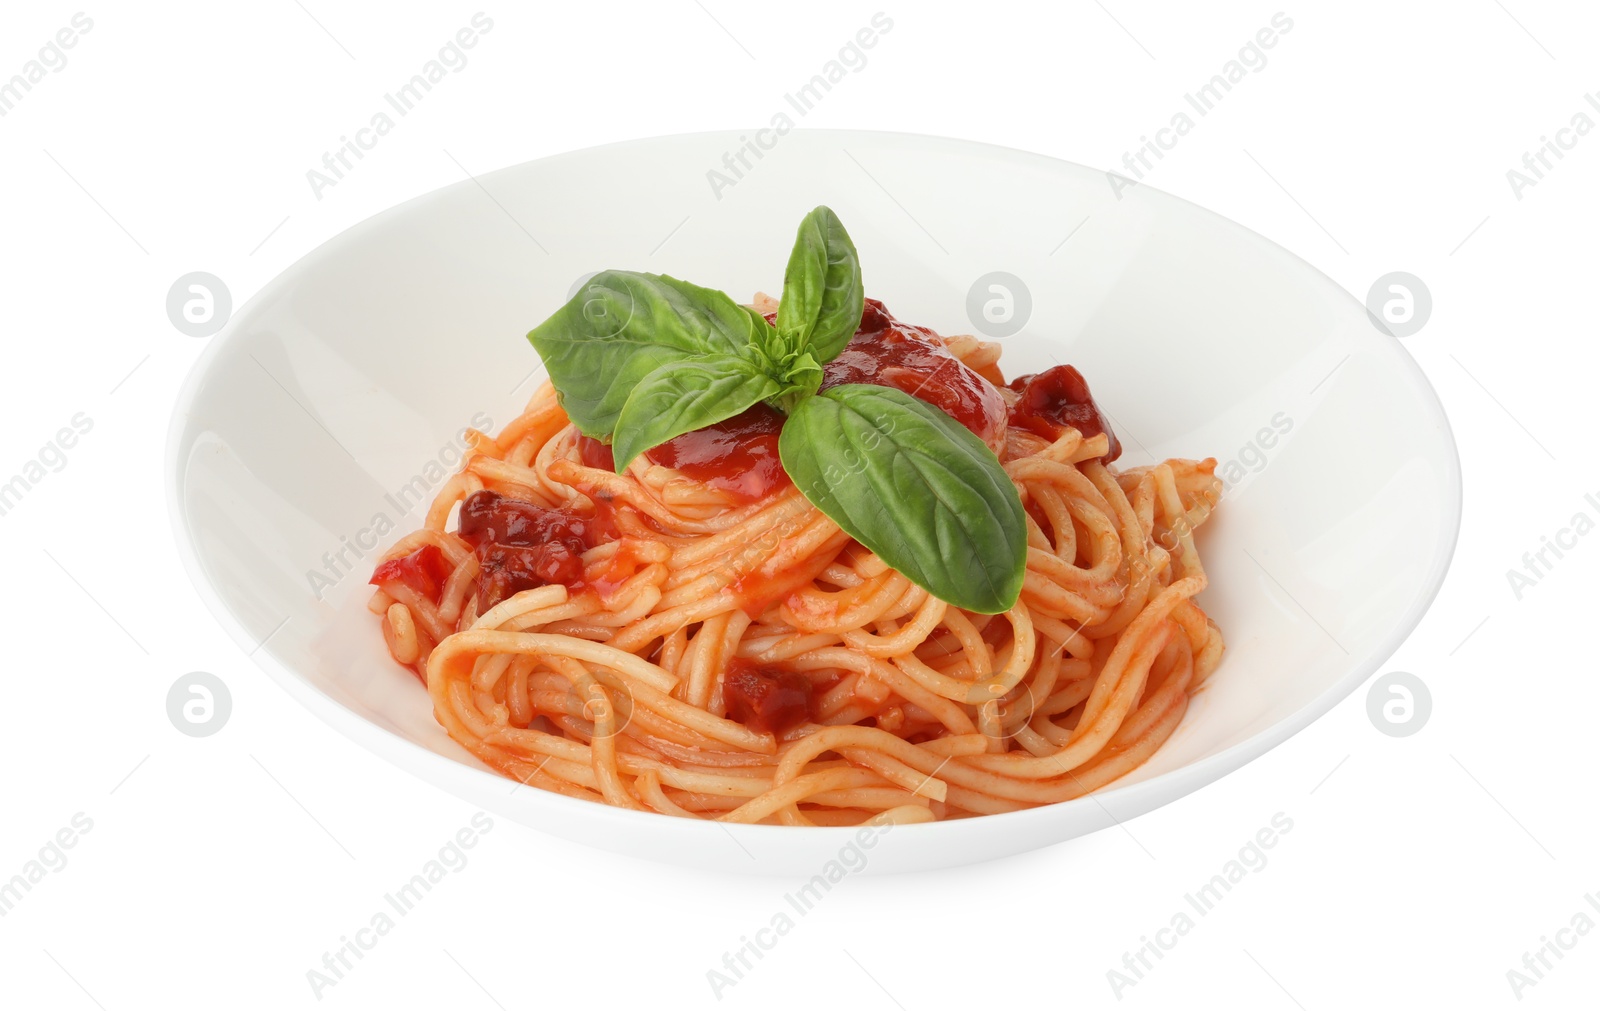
pixel 738 457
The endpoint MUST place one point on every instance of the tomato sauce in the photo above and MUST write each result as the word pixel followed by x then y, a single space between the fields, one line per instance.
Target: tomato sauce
pixel 912 359
pixel 1054 399
pixel 596 454
pixel 521 545
pixel 739 456
pixel 767 701
pixel 423 570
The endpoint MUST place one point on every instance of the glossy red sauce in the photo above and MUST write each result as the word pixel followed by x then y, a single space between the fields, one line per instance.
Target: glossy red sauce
pixel 738 457
pixel 1054 399
pixel 595 453
pixel 424 570
pixel 765 700
pixel 521 545
pixel 912 359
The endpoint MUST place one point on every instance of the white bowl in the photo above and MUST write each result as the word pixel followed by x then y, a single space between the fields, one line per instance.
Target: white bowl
pixel 343 379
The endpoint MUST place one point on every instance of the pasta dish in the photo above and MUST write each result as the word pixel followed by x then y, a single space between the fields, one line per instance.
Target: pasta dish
pixel 799 562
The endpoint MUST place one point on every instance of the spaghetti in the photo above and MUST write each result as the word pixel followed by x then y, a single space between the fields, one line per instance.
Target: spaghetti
pixel 694 638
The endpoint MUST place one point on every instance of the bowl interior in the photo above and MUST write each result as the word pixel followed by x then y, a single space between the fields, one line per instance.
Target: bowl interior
pixel 321 422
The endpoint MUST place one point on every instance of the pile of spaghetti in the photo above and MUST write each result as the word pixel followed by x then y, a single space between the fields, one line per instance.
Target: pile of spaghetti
pixel 694 638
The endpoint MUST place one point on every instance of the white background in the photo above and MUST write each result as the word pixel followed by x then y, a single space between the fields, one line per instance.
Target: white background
pixel 219 870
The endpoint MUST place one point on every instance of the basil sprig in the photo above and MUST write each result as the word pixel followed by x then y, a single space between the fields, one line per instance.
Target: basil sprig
pixel 639 359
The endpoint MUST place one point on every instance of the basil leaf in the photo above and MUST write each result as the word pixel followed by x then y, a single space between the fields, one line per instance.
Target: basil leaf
pixel 822 295
pixel 914 486
pixel 624 325
pixel 682 396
